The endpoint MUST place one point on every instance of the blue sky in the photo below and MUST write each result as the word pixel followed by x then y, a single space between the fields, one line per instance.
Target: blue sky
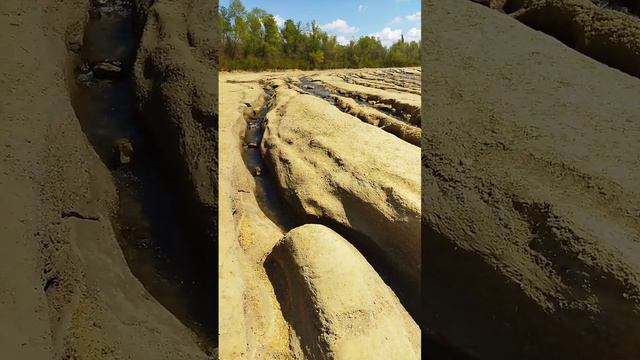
pixel 349 19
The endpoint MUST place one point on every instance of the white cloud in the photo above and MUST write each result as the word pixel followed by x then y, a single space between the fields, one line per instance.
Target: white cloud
pixel 400 19
pixel 342 40
pixel 396 20
pixel 279 20
pixel 388 36
pixel 413 34
pixel 413 17
pixel 362 8
pixel 339 26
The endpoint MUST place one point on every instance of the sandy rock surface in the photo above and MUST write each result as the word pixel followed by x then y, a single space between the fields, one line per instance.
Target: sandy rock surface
pixel 530 192
pixel 325 175
pixel 176 82
pixel 399 98
pixel 258 330
pixel 609 36
pixel 404 131
pixel 65 288
pixel 337 305
pixel 252 222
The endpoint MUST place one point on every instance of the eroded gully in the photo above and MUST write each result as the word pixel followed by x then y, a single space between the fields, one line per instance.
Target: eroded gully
pixel 148 224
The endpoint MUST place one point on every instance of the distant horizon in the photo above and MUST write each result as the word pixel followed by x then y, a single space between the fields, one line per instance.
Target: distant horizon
pixel 348 20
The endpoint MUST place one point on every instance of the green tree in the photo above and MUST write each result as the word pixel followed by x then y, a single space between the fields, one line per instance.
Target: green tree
pixel 272 40
pixel 252 41
pixel 331 50
pixel 291 35
pixel 317 58
pixel 369 52
pixel 237 14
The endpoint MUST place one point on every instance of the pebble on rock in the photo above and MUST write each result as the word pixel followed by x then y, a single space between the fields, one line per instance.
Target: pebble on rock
pixel 124 151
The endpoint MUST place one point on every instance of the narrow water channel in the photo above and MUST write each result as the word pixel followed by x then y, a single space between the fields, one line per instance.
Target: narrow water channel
pixel 316 88
pixel 267 191
pixel 149 225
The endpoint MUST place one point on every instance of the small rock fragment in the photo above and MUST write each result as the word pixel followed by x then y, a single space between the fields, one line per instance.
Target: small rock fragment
pixel 124 151
pixel 84 68
pixel 107 70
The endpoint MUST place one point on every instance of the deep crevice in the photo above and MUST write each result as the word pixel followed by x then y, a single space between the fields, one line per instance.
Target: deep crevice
pixel 149 224
pixel 77 215
pixel 268 194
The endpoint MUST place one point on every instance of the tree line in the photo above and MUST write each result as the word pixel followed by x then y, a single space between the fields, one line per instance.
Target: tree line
pixel 253 41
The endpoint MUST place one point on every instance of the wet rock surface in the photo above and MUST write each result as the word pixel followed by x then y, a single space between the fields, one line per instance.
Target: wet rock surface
pixel 183 116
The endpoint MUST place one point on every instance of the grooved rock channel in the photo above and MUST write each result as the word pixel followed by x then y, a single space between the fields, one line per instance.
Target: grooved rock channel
pixel 319 214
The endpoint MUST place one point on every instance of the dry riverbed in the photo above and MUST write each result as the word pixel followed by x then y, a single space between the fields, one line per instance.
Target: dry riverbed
pixel 319 200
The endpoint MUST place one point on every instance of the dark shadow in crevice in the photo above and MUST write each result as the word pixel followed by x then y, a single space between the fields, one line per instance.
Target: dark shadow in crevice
pixel 150 222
